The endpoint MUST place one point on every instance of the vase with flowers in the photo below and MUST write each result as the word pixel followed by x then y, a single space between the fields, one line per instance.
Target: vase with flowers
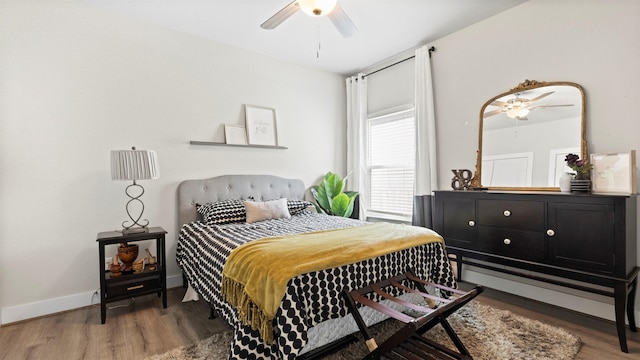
pixel 581 181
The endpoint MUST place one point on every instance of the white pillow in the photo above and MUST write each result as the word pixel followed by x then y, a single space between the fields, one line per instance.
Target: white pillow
pixel 272 209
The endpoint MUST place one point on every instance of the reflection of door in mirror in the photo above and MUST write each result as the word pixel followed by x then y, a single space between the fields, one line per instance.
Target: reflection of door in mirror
pixel 507 170
pixel 558 165
pixel 526 133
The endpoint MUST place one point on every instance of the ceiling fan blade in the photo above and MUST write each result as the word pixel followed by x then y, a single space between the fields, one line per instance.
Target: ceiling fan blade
pixel 493 112
pixel 548 106
pixel 540 97
pixel 499 103
pixel 281 16
pixel 342 22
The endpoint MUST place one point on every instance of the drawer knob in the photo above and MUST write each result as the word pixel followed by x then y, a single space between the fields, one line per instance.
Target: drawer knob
pixel 507 241
pixel 472 223
pixel 507 213
pixel 550 232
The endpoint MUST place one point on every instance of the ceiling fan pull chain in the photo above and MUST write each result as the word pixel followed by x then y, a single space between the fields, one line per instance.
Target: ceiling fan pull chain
pixel 318 41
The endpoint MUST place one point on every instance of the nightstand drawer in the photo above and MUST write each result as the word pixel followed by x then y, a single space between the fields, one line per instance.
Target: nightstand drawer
pixel 521 244
pixel 134 286
pixel 526 215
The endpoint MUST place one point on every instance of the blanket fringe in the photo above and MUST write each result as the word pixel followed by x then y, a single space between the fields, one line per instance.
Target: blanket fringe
pixel 249 313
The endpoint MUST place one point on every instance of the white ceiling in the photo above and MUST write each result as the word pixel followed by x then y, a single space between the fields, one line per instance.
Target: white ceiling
pixel 385 27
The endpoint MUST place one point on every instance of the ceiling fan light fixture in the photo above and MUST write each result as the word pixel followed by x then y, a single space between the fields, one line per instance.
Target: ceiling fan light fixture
pixel 517 112
pixel 317 7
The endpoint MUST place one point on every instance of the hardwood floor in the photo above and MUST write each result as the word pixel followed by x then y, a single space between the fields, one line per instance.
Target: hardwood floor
pixel 133 330
pixel 142 328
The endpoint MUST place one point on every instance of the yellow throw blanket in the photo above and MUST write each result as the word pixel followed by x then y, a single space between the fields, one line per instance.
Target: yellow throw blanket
pixel 256 274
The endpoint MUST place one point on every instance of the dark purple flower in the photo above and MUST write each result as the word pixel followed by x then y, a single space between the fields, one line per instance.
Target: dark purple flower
pixel 579 166
pixel 571 159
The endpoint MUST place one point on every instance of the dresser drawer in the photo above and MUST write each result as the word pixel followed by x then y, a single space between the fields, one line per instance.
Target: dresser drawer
pixel 134 286
pixel 525 215
pixel 521 244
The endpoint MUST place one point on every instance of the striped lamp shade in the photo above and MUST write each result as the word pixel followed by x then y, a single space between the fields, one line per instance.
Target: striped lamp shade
pixel 134 164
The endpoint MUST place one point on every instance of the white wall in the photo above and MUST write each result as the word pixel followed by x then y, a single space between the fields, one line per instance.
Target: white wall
pixel 593 43
pixel 77 82
pixel 391 88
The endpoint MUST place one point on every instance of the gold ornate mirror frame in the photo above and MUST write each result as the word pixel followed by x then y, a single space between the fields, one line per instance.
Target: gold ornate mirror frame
pixel 523 87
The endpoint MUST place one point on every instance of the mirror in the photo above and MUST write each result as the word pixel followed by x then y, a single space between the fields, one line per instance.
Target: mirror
pixel 525 134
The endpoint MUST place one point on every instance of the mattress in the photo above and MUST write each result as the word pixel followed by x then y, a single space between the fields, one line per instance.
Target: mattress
pixel 311 298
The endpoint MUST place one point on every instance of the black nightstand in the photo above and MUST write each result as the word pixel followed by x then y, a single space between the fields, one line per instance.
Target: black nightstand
pixel 130 285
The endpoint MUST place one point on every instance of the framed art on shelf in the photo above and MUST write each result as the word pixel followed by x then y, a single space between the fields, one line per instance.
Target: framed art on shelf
pixel 614 173
pixel 235 134
pixel 261 125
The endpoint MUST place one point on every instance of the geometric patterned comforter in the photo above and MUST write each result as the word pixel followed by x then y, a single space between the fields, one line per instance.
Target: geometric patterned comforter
pixel 311 298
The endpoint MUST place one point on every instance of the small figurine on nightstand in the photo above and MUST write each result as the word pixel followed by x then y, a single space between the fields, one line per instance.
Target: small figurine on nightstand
pixel 138 266
pixel 152 261
pixel 115 267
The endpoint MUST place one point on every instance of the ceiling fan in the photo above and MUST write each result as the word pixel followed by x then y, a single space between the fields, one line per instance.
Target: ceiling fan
pixel 315 8
pixel 518 108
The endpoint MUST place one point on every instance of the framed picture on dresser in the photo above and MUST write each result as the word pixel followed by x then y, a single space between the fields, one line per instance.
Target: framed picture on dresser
pixel 614 173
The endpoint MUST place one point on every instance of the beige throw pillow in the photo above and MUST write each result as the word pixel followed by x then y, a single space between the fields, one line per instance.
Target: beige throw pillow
pixel 272 209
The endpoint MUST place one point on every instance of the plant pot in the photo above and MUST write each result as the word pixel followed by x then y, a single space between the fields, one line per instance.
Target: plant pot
pixel 578 185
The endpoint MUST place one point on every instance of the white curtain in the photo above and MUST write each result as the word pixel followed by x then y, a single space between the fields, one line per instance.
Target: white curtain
pixel 426 176
pixel 356 138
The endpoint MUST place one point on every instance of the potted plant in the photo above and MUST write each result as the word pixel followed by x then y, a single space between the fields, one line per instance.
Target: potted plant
pixel 330 197
pixel 581 167
pixel 581 181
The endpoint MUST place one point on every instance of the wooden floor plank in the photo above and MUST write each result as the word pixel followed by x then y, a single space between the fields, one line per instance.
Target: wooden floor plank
pixel 142 328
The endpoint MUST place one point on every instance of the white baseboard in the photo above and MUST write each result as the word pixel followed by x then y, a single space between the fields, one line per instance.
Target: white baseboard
pixel 51 306
pixel 587 303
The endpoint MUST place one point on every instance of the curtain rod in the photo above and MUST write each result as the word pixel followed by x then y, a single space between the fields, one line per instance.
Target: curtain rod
pixel 431 49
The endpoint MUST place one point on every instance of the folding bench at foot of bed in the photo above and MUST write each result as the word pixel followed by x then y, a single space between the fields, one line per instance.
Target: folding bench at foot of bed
pixel 408 342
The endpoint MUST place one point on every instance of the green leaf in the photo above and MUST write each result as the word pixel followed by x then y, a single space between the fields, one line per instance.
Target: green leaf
pixel 351 194
pixel 322 203
pixel 352 200
pixel 340 205
pixel 333 185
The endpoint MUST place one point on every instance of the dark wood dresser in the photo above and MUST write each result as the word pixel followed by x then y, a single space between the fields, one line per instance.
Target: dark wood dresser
pixel 582 241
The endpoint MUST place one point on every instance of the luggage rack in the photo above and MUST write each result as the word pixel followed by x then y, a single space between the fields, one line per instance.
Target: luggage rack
pixel 407 343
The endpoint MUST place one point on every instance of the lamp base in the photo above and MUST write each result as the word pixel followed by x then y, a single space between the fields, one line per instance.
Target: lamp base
pixel 135 230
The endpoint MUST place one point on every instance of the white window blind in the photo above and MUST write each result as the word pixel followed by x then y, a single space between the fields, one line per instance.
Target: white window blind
pixel 390 164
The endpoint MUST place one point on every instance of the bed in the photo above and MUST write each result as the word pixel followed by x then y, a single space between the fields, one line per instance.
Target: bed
pixel 312 314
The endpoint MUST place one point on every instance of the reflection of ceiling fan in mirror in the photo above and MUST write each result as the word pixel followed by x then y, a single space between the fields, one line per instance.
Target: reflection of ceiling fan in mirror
pixel 315 8
pixel 518 108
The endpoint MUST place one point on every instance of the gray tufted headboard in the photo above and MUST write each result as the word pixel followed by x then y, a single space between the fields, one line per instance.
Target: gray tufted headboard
pixel 260 187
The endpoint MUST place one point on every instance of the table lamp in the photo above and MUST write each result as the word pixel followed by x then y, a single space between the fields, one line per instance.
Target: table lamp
pixel 134 165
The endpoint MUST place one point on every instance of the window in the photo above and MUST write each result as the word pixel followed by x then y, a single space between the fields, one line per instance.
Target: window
pixel 390 165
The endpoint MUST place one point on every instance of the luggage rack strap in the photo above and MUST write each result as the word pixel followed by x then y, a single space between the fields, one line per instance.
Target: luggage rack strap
pixel 407 342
